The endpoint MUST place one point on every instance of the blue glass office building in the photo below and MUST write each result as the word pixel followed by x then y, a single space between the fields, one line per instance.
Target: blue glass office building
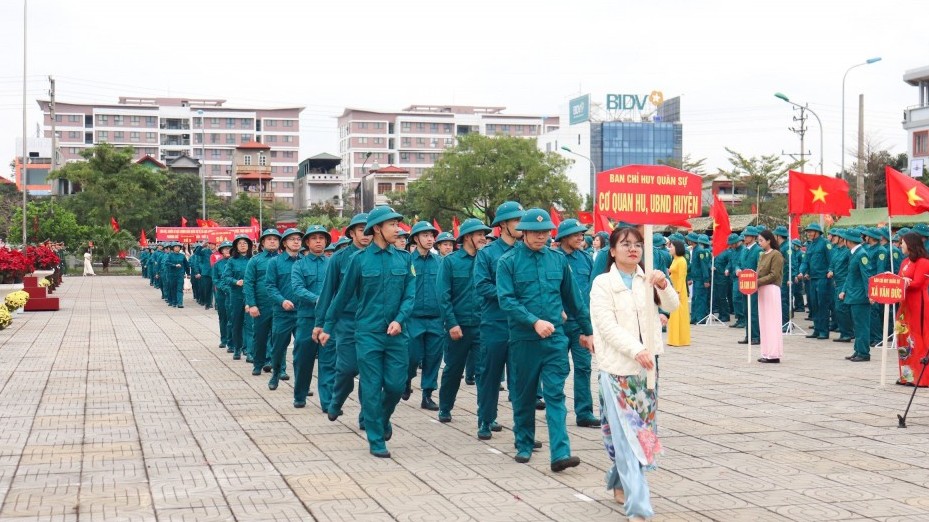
pixel 618 143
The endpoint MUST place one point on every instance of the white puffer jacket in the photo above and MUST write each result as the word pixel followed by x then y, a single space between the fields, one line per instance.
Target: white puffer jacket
pixel 619 316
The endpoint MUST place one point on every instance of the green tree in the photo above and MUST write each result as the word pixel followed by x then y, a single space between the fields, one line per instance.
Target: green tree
pixel 688 164
pixel 239 211
pixel 765 181
pixel 473 178
pixel 108 244
pixel 47 219
pixel 326 215
pixel 183 197
pixel 113 185
pixel 875 179
pixel 10 200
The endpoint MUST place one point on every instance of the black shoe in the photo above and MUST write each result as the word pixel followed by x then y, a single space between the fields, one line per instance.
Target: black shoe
pixel 407 392
pixel 285 377
pixel 563 464
pixel 589 423
pixel 812 336
pixel 849 357
pixel 272 386
pixel 522 458
pixel 842 340
pixel 333 416
pixel 859 359
pixel 754 341
pixel 539 404
pixel 384 454
pixel 229 350
pixel 429 404
pixel 299 404
pixel 469 382
pixel 256 372
pixel 494 427
pixel 236 357
pixel 222 345
pixel 249 360
pixel 822 337
pixel 445 416
pixel 266 368
pixel 536 445
pixel 765 360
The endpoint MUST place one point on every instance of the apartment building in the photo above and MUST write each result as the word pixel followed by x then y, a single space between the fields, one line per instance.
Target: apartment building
pixel 169 128
pixel 916 121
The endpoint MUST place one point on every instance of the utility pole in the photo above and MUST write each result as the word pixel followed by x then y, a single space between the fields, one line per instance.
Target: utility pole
pixel 22 169
pixel 859 181
pixel 801 130
pixel 51 113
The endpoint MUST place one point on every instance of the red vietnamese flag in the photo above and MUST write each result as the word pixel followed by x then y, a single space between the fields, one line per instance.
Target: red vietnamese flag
pixel 183 221
pixel 794 226
pixel 603 224
pixel 455 225
pixel 143 241
pixel 201 223
pixel 721 226
pixel 114 224
pixel 406 228
pixel 905 195
pixel 334 235
pixel 586 218
pixel 255 224
pixel 211 223
pixel 556 219
pixel 817 194
pixel 436 225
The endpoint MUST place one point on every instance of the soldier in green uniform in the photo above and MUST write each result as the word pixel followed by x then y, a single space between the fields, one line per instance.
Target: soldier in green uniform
pixel 260 305
pixel 221 294
pixel 426 334
pixel 748 260
pixel 460 310
pixel 662 258
pixel 703 262
pixel 176 270
pixel 570 235
pixel 854 294
pixel 735 248
pixel 206 274
pixel 494 328
pixel 280 290
pixel 445 244
pixel 153 266
pixel 813 268
pixel 534 286
pixel 343 338
pixel 722 285
pixel 194 262
pixel 240 324
pixel 838 273
pixel 880 262
pixel 144 256
pixel 307 279
pixel 381 280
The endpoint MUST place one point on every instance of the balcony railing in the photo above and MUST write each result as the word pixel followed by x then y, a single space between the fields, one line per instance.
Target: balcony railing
pixel 169 125
pixel 174 143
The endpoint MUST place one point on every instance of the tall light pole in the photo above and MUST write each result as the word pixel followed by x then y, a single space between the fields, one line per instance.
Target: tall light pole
pixel 361 186
pixel 22 166
pixel 593 176
pixel 202 166
pixel 261 223
pixel 806 107
pixel 869 61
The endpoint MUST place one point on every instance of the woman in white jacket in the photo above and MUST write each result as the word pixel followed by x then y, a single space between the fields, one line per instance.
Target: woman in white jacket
pixel 624 304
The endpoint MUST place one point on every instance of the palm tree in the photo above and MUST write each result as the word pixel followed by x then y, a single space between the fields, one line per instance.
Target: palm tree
pixel 109 244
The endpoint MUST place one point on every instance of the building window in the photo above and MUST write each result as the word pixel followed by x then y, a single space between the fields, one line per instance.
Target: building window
pixel 362 141
pixel 448 142
pixel 420 126
pixel 405 142
pixel 404 156
pixel 921 143
pixel 230 123
pixel 362 125
pixel 434 142
pixel 102 118
pixel 103 135
pixel 248 159
pixel 270 123
pixel 117 120
pixel 216 153
pixel 214 122
pixel 287 169
pixel 383 188
pixel 447 128
pixel 379 125
pixel 273 153
pixel 246 123
pixel 400 187
pixel 246 138
pixel 420 156
pixel 215 169
pixel 405 126
pixel 118 136
pixel 378 141
pixel 262 160
pixel 434 127
pixel 288 139
pixel 149 136
pixel 72 135
pixel 149 121
pixel 74 118
pixel 288 123
pixel 133 136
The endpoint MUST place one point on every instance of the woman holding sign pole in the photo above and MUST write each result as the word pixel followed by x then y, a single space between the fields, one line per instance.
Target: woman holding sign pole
pixel 621 301
pixel 770 272
pixel 911 321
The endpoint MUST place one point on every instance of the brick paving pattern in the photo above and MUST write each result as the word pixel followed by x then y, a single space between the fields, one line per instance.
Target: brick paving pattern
pixel 120 408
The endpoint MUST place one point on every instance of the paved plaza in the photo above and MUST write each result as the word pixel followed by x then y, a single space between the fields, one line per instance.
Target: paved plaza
pixel 117 407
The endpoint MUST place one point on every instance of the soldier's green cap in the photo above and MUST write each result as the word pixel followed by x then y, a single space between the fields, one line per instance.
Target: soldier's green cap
pixel 224 244
pixel 703 239
pixel 269 232
pixel 535 220
pixel 472 225
pixel 781 231
pixel 422 226
pixel 692 236
pixel 317 229
pixel 733 239
pixel 506 211
pixel 813 227
pixel 658 239
pixel 379 215
pixel 445 236
pixel 290 232
pixel 358 219
pixel 750 231
pixel 568 227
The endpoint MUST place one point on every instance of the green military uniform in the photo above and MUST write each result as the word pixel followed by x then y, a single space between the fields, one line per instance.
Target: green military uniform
pixel 152 266
pixel 221 296
pixel 427 336
pixel 307 280
pixel 815 266
pixel 748 260
pixel 582 269
pixel 176 269
pixel 381 280
pixel 143 261
pixel 855 295
pixel 702 262
pixel 459 306
pixel 738 298
pixel 494 328
pixel 838 273
pixel 256 295
pixel 241 325
pixel 279 281
pixel 722 284
pixel 533 286
pixel 206 276
pixel 343 338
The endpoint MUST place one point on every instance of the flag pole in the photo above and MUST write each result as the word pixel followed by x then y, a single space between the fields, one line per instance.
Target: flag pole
pixel 649 340
pixel 887 314
pixel 710 318
pixel 791 327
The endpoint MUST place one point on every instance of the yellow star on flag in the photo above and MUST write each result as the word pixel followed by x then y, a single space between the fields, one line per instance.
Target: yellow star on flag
pixel 715 224
pixel 819 194
pixel 911 197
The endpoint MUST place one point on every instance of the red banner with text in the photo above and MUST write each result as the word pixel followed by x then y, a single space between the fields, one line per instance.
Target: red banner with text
pixel 649 195
pixel 195 235
pixel 886 288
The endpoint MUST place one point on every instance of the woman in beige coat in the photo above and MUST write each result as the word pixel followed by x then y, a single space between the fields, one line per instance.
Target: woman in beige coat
pixel 624 304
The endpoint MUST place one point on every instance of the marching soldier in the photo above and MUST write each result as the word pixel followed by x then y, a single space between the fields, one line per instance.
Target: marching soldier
pixel 221 294
pixel 855 295
pixel 427 337
pixel 280 290
pixel 307 279
pixel 260 305
pixel 240 323
pixel 748 260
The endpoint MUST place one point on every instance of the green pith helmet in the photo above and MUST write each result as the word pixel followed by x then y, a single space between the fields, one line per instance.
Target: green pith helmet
pixel 224 244
pixel 506 211
pixel 358 219
pixel 317 229
pixel 290 232
pixel 269 232
pixel 813 227
pixel 445 236
pixel 535 220
pixel 472 225
pixel 569 227
pixel 380 215
pixel 422 226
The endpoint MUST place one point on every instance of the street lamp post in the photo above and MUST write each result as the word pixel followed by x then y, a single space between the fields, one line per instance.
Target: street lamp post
pixel 22 166
pixel 361 185
pixel 593 176
pixel 806 107
pixel 869 61
pixel 202 167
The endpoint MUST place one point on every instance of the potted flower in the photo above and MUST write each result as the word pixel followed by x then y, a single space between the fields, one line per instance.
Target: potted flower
pixel 5 318
pixel 15 301
pixel 13 266
pixel 44 260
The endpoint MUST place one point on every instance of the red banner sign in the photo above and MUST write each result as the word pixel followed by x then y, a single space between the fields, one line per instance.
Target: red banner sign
pixel 197 234
pixel 649 195
pixel 886 288
pixel 748 282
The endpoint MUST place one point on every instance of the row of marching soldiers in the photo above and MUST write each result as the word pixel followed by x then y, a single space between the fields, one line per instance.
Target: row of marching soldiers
pixel 367 307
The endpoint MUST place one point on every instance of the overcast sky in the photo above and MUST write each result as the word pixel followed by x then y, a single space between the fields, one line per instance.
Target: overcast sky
pixel 725 58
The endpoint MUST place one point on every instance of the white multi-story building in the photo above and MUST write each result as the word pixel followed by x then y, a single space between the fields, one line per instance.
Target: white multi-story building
pixel 166 128
pixel 413 138
pixel 916 121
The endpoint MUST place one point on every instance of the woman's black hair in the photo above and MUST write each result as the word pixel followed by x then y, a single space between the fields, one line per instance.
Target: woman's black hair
pixel 914 246
pixel 771 238
pixel 618 234
pixel 679 248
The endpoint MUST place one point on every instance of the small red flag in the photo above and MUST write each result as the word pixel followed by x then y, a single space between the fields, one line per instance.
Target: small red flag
pixel 794 226
pixel 114 224
pixel 255 224
pixel 334 234
pixel 721 226
pixel 143 241
pixel 183 221
pixel 556 219
pixel 603 224
pixel 586 218
pixel 455 225
pixel 404 227
pixel 905 196
pixel 817 194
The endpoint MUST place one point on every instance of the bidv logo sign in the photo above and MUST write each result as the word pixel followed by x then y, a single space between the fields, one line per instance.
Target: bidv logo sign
pixel 628 102
pixel 579 109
